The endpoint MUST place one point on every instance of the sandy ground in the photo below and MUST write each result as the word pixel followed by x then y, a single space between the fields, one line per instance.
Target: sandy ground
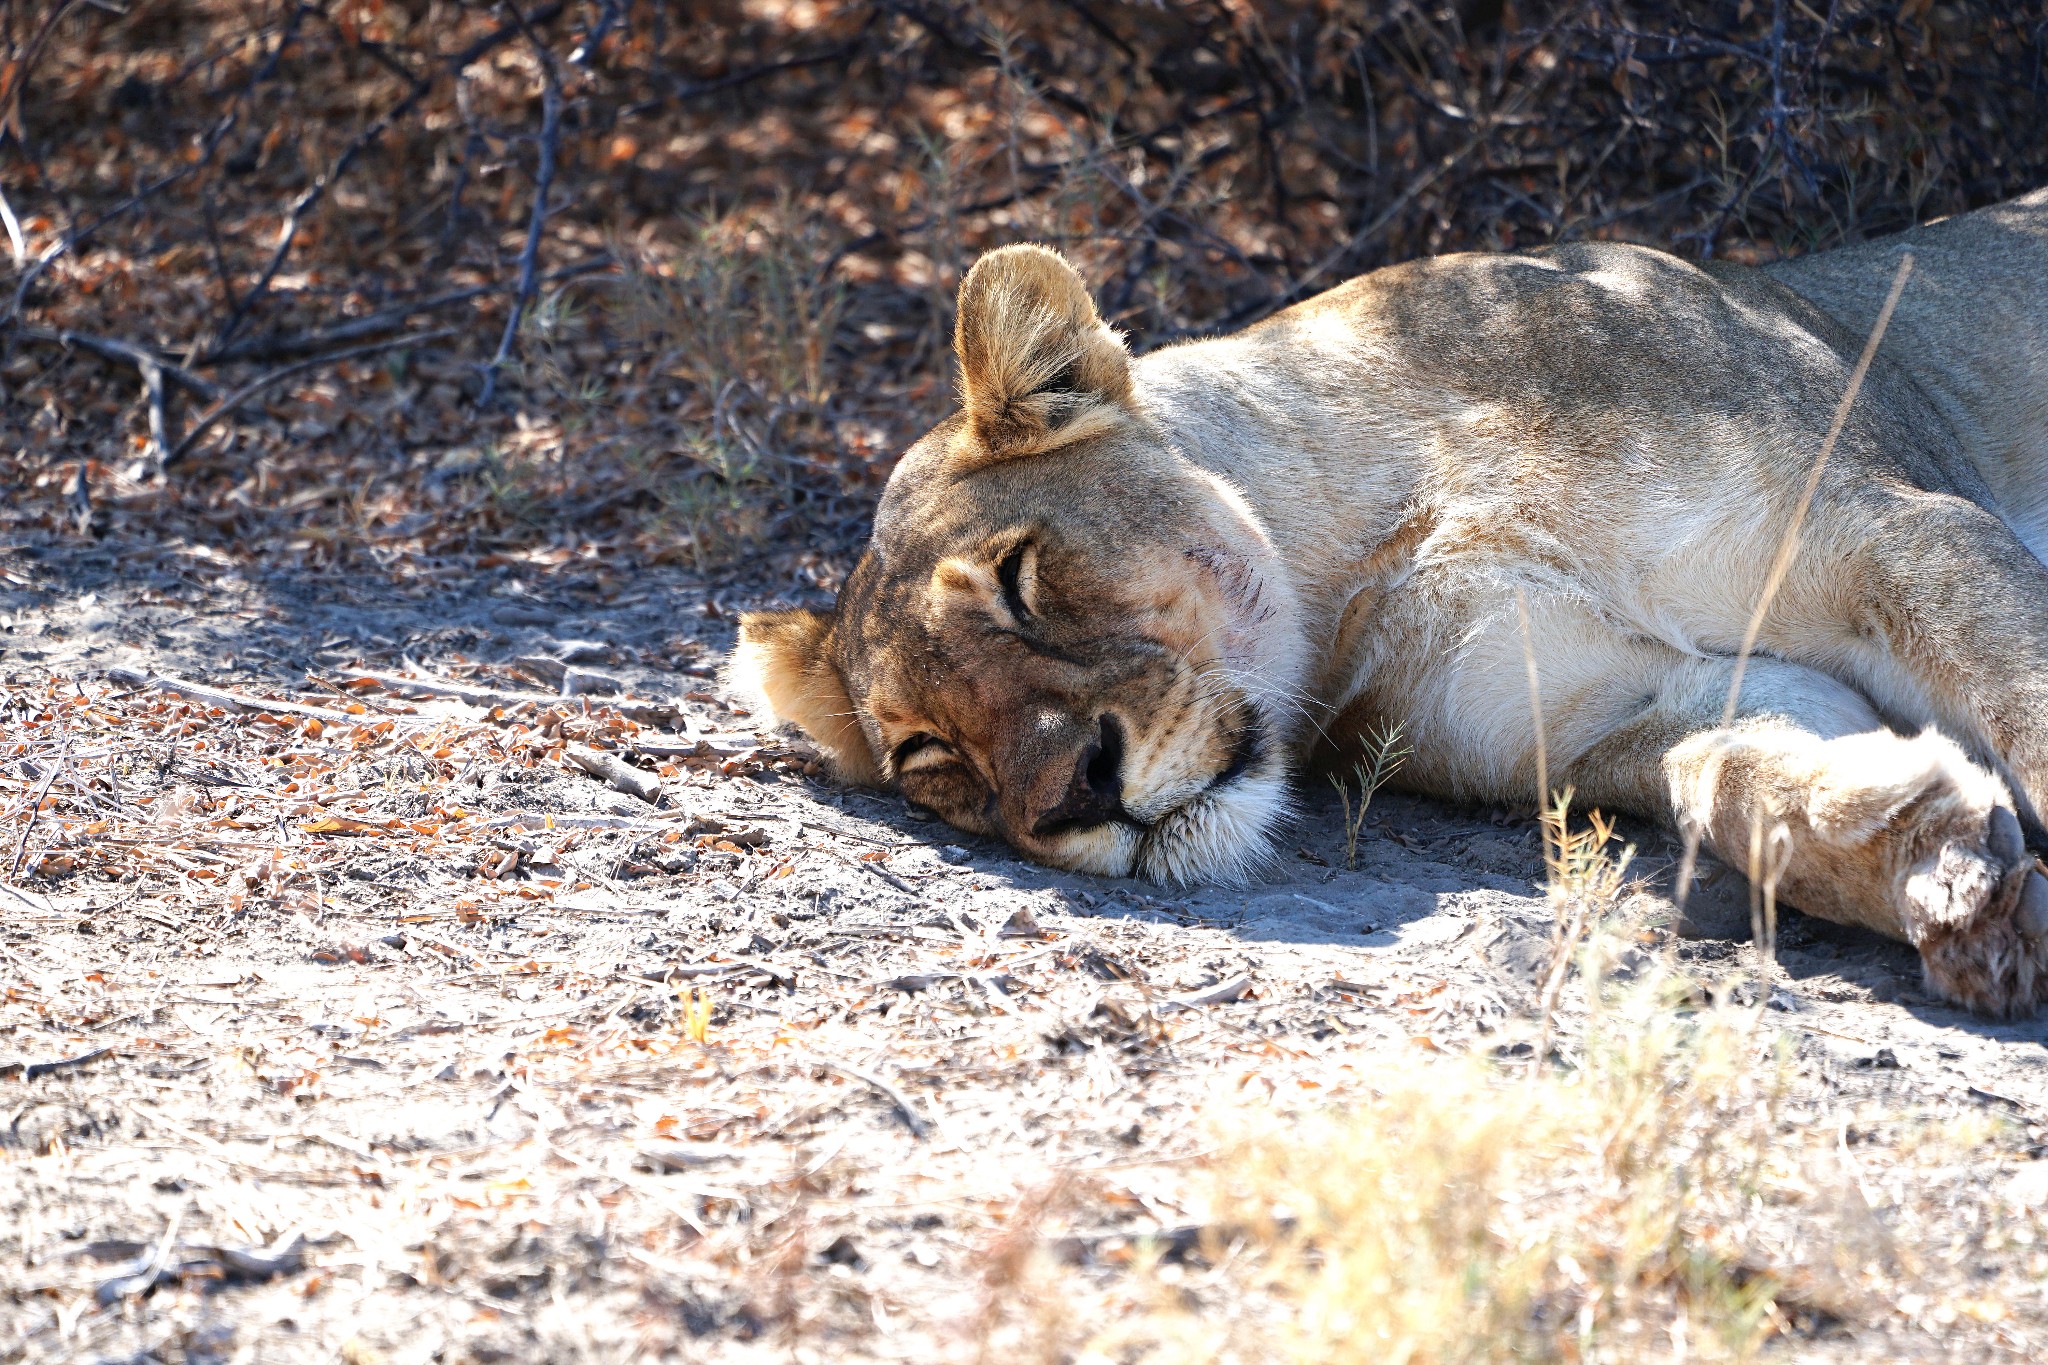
pixel 391 1036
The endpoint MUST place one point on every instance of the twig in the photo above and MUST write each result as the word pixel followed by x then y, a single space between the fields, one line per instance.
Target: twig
pixel 531 823
pixel 227 405
pixel 647 713
pixel 276 346
pixel 227 701
pixel 208 145
pixel 1387 215
pixel 144 1277
pixel 1234 989
pixel 70 240
pixel 920 1126
pixel 35 810
pixel 30 901
pixel 610 15
pixel 543 182
pixel 877 870
pixel 113 348
pixel 858 838
pixel 17 73
pixel 159 421
pixel 616 772
pixel 154 369
pixel 31 1070
pixel 310 197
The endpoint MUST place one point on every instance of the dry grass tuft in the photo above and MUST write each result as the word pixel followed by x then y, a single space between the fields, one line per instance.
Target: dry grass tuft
pixel 1653 1198
pixel 701 371
pixel 1656 1192
pixel 1464 1215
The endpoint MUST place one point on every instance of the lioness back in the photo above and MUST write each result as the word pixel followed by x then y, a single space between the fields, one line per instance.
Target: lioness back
pixel 1972 330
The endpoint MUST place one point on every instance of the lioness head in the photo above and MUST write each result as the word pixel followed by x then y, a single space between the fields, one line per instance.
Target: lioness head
pixel 1063 632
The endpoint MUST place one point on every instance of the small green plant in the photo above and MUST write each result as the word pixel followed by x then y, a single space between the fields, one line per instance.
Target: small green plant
pixel 1385 751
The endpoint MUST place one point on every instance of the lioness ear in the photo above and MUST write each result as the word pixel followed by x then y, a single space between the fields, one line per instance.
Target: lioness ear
pixel 784 667
pixel 1038 365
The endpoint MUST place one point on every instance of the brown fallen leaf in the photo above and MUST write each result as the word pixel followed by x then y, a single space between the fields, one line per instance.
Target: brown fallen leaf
pixel 344 824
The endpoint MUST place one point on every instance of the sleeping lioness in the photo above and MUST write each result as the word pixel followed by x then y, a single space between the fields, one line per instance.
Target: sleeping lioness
pixel 1112 604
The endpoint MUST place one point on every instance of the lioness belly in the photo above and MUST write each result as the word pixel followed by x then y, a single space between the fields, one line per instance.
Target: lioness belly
pixel 1449 662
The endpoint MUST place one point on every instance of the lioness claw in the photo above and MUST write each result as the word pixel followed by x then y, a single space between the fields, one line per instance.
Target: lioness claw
pixel 2031 919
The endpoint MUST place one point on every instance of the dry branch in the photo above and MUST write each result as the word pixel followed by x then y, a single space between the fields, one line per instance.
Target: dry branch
pixel 227 701
pixel 617 772
pixel 920 1126
pixel 29 1071
pixel 310 197
pixel 1232 990
pixel 535 823
pixel 384 319
pixel 127 352
pixel 226 406
pixel 543 183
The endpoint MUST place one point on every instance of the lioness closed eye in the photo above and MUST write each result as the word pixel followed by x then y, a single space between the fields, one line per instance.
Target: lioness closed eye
pixel 1112 603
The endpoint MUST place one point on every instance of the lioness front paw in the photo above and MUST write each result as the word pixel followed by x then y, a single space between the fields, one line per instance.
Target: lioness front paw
pixel 1980 911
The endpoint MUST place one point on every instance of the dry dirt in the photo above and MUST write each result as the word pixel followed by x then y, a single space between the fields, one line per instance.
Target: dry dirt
pixel 382 1033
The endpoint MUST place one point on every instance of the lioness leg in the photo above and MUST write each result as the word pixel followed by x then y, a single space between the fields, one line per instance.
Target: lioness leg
pixel 1859 824
pixel 1947 624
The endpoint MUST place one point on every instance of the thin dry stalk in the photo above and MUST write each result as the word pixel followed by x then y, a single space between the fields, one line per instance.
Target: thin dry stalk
pixel 1584 882
pixel 1769 853
pixel 35 810
pixel 1788 546
pixel 1535 703
pixel 543 183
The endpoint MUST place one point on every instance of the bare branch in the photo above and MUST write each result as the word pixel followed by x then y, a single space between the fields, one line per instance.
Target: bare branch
pixel 310 197
pixel 17 72
pixel 227 405
pixel 611 14
pixel 276 346
pixel 209 144
pixel 112 348
pixel 543 181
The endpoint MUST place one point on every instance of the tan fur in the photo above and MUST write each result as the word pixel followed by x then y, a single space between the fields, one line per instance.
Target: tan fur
pixel 1245 552
pixel 784 669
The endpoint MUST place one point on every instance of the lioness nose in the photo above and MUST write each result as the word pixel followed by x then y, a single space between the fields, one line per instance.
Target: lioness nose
pixel 1095 793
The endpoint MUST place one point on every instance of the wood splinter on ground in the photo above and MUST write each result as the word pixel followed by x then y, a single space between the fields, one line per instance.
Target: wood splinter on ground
pixel 617 772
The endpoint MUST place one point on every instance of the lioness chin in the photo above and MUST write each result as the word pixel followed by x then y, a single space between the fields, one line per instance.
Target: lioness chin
pixel 1112 604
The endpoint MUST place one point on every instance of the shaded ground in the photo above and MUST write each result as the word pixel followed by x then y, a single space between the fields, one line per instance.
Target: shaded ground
pixel 386 1032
